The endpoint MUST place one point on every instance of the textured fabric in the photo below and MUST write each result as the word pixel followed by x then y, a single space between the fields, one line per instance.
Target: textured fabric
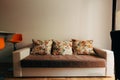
pixel 41 47
pixel 62 48
pixel 82 47
pixel 82 61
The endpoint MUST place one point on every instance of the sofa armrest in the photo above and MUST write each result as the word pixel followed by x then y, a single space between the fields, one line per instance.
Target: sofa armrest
pixel 109 56
pixel 17 56
pixel 22 53
pixel 100 53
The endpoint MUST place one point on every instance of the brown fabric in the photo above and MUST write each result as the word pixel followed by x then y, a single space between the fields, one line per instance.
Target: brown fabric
pixel 82 61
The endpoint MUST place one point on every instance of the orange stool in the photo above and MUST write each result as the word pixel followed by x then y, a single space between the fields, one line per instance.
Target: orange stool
pixel 2 43
pixel 16 38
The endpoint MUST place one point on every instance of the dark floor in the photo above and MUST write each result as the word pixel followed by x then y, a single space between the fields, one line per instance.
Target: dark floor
pixel 6 70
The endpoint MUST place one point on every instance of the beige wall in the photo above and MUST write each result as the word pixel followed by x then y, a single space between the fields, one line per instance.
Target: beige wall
pixel 118 15
pixel 58 19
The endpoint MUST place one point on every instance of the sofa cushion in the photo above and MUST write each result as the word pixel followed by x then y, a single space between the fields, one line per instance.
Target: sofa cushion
pixel 83 46
pixel 82 61
pixel 62 48
pixel 41 47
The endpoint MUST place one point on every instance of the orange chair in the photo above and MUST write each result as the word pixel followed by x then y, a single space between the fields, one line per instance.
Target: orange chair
pixel 16 38
pixel 2 43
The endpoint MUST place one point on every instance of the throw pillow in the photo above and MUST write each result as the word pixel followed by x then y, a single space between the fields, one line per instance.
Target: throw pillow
pixel 62 48
pixel 82 46
pixel 41 47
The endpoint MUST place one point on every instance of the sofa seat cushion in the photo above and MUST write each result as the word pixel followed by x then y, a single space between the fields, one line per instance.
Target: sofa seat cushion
pixel 61 61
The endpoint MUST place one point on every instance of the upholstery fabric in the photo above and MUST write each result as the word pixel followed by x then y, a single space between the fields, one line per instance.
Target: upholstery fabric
pixel 41 47
pixel 81 61
pixel 62 48
pixel 82 46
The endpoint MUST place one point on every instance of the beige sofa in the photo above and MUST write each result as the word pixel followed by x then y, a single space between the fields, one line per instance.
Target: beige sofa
pixel 20 71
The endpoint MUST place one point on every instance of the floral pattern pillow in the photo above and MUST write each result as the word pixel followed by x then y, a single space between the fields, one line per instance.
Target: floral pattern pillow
pixel 62 48
pixel 41 47
pixel 83 47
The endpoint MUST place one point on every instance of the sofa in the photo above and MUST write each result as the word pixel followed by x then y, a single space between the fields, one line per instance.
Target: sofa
pixel 26 64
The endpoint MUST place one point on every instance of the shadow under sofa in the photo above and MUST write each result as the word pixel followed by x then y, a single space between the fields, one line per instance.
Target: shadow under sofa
pixel 26 65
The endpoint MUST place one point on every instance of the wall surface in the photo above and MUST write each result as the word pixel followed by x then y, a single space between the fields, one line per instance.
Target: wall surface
pixel 58 19
pixel 118 15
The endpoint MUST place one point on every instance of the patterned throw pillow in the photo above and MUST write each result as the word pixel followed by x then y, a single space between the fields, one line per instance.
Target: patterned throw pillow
pixel 62 48
pixel 41 47
pixel 83 47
